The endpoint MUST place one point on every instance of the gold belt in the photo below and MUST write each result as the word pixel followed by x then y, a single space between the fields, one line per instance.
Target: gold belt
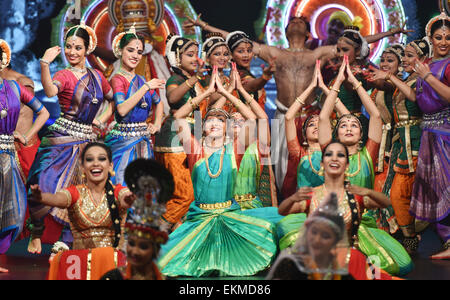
pixel 244 198
pixel 408 123
pixel 212 206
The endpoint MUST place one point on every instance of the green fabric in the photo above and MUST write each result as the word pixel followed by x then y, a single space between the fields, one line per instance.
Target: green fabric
pixel 227 241
pixel 288 229
pixel 305 175
pixel 248 177
pixel 366 175
pixel 382 249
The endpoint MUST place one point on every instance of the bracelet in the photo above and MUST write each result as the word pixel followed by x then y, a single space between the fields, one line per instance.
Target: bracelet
pixel 199 77
pixel 388 76
pixel 187 83
pixel 204 25
pixel 147 85
pixel 426 75
pixel 336 90
pixel 337 101
pixel 299 101
pixel 357 86
pixel 44 61
pixel 193 105
pixel 266 77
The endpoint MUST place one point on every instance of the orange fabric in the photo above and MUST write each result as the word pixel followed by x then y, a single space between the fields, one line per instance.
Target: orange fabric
pixel 183 194
pixel 103 261
pixel 380 178
pixel 401 192
pixel 54 266
pixel 27 154
pixel 74 264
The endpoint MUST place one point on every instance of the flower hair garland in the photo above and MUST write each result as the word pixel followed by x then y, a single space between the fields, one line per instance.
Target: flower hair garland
pixel 92 36
pixel 116 42
pixel 6 54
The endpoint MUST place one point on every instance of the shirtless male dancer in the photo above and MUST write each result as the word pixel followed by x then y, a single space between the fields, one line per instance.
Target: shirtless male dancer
pixel 294 68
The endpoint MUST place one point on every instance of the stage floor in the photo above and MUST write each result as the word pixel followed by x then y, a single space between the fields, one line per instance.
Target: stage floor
pixel 24 266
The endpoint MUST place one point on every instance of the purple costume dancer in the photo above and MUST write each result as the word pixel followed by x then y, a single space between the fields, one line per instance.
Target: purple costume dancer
pixel 431 191
pixel 57 163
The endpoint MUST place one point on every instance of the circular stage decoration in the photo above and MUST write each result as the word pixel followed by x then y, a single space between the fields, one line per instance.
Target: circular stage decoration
pixel 163 18
pixel 377 15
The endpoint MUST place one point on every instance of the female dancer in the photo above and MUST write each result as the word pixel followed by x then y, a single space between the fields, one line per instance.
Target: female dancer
pixel 349 130
pixel 184 84
pixel 355 47
pixel 406 117
pixel 97 211
pixel 13 194
pixel 134 98
pixel 215 53
pixel 241 48
pixel 322 251
pixel 353 199
pixel 431 190
pixel 217 237
pixel 430 194
pixel 80 91
pixel 255 184
pixel 304 161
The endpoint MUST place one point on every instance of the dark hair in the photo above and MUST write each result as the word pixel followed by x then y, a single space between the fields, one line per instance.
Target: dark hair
pixel 422 47
pixel 127 38
pixel 96 144
pixel 335 142
pixel 304 19
pixel 81 33
pixel 113 207
pixel 439 24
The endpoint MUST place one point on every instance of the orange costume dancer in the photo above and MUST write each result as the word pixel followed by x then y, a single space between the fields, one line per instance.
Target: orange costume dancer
pixel 184 84
pixel 97 212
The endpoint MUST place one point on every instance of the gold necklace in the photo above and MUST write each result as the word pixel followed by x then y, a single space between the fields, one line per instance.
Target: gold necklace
pixel 220 166
pixel 359 167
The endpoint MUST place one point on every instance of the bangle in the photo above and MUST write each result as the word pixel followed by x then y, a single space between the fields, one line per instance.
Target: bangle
pixel 337 101
pixel 204 25
pixel 426 75
pixel 266 77
pixel 187 83
pixel 388 76
pixel 193 105
pixel 299 101
pixel 357 86
pixel 44 61
pixel 147 85
pixel 198 77
pixel 333 89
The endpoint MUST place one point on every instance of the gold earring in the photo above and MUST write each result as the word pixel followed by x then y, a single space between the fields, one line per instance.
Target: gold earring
pixel 112 173
pixel 321 171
